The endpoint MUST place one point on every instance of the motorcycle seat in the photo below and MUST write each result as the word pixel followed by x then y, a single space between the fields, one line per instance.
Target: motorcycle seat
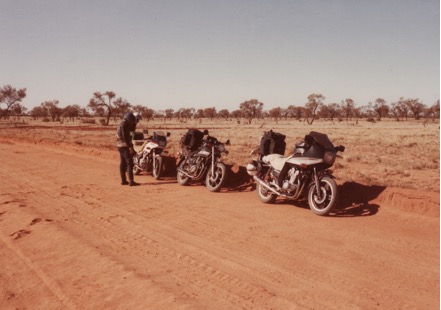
pixel 277 161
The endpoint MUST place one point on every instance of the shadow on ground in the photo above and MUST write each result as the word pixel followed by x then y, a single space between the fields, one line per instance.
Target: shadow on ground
pixel 355 199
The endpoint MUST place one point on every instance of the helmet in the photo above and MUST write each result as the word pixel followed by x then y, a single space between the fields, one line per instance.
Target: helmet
pixel 137 116
pixel 130 118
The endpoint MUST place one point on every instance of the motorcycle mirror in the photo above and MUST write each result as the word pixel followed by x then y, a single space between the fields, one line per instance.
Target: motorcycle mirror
pixel 340 148
pixel 168 134
pixel 205 132
pixel 228 142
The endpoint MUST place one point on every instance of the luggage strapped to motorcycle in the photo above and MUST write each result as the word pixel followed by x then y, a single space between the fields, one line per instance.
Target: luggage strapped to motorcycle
pixel 192 139
pixel 272 143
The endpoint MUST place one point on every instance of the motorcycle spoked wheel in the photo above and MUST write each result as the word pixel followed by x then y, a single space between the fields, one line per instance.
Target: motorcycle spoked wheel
pixel 265 195
pixel 214 181
pixel 182 178
pixel 157 167
pixel 329 197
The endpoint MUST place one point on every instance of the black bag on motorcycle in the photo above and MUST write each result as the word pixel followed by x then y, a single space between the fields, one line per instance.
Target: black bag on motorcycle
pixel 272 143
pixel 192 139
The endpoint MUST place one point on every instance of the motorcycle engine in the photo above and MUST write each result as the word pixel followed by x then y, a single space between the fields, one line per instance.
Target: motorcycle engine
pixel 195 164
pixel 289 184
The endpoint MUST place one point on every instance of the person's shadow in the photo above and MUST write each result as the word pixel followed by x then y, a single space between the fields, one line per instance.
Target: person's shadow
pixel 355 200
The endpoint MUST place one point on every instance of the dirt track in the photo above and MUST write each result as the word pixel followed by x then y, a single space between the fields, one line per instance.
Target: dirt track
pixel 72 237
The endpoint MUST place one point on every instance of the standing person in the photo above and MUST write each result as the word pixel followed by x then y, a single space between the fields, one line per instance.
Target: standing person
pixel 125 148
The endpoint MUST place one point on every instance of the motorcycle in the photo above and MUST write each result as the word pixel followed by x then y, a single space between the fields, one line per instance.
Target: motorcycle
pixel 149 157
pixel 303 175
pixel 205 162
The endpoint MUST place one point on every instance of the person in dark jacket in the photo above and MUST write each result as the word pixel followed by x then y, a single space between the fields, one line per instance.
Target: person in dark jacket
pixel 125 148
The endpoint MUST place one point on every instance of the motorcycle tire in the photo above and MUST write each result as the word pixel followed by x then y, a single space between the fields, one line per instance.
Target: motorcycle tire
pixel 182 178
pixel 215 181
pixel 329 199
pixel 265 195
pixel 157 167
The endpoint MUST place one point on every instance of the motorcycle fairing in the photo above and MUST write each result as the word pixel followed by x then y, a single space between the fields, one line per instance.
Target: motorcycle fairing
pixel 278 161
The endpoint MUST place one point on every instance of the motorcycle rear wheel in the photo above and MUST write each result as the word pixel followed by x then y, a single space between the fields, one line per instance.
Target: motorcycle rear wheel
pixel 329 196
pixel 215 181
pixel 157 167
pixel 265 195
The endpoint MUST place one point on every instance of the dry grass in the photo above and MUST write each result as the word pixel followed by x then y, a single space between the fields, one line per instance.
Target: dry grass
pixel 386 153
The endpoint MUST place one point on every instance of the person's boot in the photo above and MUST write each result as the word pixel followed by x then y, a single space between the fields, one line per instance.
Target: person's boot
pixel 124 182
pixel 133 183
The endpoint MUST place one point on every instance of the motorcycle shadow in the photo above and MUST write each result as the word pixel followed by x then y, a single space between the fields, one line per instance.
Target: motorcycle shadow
pixel 238 180
pixel 355 200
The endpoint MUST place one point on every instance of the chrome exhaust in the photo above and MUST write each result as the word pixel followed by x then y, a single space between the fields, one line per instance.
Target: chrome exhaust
pixel 261 182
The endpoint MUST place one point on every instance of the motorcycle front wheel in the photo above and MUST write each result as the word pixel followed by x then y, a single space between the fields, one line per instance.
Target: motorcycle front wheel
pixel 157 167
pixel 327 201
pixel 136 169
pixel 265 195
pixel 182 178
pixel 214 181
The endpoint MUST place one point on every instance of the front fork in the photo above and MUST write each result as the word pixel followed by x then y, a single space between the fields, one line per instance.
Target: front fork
pixel 213 160
pixel 317 184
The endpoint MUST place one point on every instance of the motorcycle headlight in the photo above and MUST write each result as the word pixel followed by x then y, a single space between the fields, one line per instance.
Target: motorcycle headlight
pixel 220 148
pixel 329 158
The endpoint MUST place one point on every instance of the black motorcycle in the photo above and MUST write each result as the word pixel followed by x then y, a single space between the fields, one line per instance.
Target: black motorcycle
pixel 303 175
pixel 201 159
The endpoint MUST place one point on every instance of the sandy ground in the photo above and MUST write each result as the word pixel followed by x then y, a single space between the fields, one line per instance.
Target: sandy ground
pixel 72 237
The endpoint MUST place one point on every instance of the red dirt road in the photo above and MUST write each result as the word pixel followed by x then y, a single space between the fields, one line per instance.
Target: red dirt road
pixel 72 237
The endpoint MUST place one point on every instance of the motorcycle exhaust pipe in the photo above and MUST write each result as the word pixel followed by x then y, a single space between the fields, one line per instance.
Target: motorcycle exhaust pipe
pixel 260 181
pixel 184 173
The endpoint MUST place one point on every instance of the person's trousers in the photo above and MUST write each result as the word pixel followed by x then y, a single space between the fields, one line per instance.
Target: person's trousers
pixel 126 163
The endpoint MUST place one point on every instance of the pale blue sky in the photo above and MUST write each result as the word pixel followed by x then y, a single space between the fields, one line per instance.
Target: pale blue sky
pixel 194 53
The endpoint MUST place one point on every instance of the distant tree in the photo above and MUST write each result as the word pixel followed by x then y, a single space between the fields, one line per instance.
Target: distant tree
pixel 224 113
pixel 236 114
pixel 199 113
pixel 103 101
pixel 435 110
pixel 381 108
pixel 38 112
pixel 210 113
pixel 403 107
pixel 347 107
pixel 185 113
pixel 120 107
pixel 71 111
pixel 169 113
pixel 51 106
pixel 314 102
pixel 329 111
pixel 275 113
pixel 11 97
pixel 251 109
pixel 147 114
pixel 415 107
pixel 18 111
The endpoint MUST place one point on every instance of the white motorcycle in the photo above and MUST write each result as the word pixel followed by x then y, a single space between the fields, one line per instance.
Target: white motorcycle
pixel 148 157
pixel 304 175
